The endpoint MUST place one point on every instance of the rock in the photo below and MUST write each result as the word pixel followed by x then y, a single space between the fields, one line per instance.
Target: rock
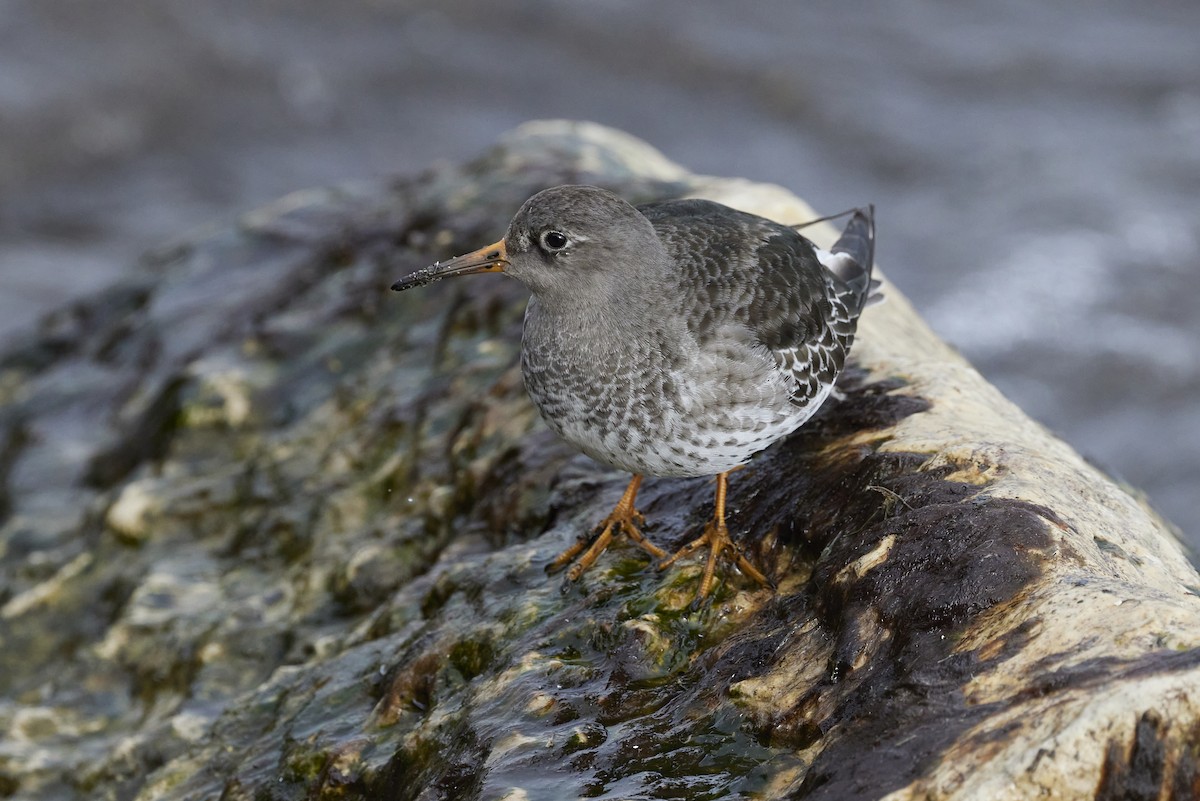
pixel 270 531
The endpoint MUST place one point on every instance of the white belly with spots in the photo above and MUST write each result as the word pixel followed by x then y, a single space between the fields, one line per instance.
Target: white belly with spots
pixel 722 413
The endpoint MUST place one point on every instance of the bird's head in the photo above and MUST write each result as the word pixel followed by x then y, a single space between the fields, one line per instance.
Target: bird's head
pixel 566 242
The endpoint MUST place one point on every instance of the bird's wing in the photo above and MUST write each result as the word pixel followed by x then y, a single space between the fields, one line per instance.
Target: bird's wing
pixel 794 306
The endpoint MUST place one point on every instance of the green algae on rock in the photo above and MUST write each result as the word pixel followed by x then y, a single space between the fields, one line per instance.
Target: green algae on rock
pixel 268 531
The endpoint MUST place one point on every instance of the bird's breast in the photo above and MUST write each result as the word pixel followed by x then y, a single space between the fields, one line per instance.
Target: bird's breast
pixel 615 400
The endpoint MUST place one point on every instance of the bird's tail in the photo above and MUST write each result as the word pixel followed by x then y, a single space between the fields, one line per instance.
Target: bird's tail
pixel 858 242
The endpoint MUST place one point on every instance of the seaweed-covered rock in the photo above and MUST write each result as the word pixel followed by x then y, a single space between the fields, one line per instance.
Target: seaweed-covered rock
pixel 268 531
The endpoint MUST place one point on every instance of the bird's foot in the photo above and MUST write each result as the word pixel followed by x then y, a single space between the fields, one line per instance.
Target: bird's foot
pixel 716 537
pixel 624 519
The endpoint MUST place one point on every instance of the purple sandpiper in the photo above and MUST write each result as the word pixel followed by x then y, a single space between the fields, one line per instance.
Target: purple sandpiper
pixel 676 338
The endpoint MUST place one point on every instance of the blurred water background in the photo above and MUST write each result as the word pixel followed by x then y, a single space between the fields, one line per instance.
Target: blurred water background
pixel 1036 166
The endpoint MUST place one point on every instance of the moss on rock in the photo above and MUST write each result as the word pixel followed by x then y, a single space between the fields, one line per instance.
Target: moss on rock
pixel 268 531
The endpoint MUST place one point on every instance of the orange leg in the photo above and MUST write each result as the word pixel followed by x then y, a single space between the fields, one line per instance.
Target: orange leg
pixel 624 519
pixel 716 536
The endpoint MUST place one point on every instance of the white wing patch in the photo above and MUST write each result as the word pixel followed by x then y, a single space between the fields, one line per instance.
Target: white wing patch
pixel 840 264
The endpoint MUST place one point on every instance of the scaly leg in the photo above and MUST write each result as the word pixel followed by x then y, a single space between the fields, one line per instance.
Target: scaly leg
pixel 716 536
pixel 624 519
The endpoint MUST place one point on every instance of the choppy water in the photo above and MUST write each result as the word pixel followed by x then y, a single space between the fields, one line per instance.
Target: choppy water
pixel 1036 166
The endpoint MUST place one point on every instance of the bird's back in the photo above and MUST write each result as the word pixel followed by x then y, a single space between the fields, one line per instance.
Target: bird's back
pixel 800 303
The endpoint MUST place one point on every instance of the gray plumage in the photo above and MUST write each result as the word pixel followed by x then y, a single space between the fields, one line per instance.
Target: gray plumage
pixel 674 339
pixel 680 338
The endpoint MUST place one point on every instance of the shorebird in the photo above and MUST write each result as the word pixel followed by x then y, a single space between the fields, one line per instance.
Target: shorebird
pixel 676 338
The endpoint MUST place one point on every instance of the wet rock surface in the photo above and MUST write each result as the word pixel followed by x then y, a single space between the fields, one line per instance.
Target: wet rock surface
pixel 268 531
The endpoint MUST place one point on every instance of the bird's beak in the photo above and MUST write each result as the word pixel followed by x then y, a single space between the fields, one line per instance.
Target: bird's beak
pixel 490 259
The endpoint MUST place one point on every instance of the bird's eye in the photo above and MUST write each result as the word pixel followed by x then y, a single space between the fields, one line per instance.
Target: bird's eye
pixel 554 241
